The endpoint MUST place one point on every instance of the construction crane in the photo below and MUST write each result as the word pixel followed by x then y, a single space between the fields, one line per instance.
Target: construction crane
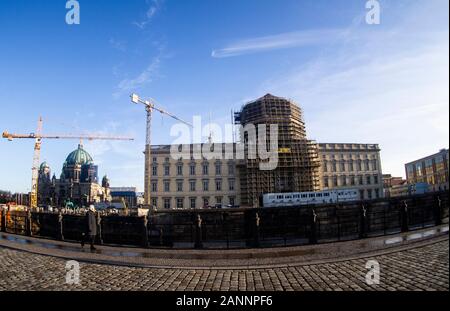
pixel 149 107
pixel 37 136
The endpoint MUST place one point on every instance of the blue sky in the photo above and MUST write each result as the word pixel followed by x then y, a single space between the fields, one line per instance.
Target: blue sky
pixel 385 84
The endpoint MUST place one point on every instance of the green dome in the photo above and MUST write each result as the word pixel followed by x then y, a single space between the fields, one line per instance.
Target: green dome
pixel 79 156
pixel 43 166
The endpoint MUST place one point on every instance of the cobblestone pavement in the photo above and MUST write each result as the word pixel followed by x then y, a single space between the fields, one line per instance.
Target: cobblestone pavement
pixel 420 268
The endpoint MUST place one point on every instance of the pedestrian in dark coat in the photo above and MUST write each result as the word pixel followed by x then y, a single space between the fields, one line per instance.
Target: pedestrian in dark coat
pixel 91 228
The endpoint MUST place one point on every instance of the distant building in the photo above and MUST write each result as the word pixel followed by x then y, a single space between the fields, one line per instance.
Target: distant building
pixel 78 182
pixel 127 194
pixel 391 184
pixel 406 189
pixel 355 166
pixel 432 170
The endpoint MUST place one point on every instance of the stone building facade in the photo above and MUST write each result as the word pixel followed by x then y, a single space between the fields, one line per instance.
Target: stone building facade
pixel 192 183
pixel 356 166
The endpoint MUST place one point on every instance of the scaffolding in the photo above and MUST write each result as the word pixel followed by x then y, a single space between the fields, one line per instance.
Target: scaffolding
pixel 298 160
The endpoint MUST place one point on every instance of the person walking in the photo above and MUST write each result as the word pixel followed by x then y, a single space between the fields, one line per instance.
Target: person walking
pixel 91 227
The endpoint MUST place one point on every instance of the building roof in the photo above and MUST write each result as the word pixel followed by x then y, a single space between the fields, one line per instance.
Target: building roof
pixel 79 156
pixel 43 166
pixel 442 151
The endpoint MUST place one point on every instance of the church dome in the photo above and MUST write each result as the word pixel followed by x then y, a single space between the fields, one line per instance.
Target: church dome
pixel 43 166
pixel 79 156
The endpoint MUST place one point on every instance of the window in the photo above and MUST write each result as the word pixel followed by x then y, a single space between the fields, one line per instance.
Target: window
pixel 180 169
pixel 218 185
pixel 375 179
pixel 361 194
pixel 368 180
pixel 154 202
pixel 205 169
pixel 192 170
pixel 230 169
pixel 350 166
pixel 154 159
pixel 344 181
pixel 359 165
pixel 366 162
pixel 154 170
pixel 369 193
pixel 193 202
pixel 352 180
pixel 219 200
pixel 326 183
pixel 232 201
pixel 377 193
pixel 180 203
pixel 205 202
pixel 206 185
pixel 218 169
pixel 167 186
pixel 374 165
pixel 335 181
pixel 167 170
pixel 166 160
pixel 192 185
pixel 154 186
pixel 334 166
pixel 361 180
pixel 342 166
pixel 325 168
pixel 167 203
pixel 231 184
pixel 179 185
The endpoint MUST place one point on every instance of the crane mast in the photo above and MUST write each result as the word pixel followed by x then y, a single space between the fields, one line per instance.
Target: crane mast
pixel 35 167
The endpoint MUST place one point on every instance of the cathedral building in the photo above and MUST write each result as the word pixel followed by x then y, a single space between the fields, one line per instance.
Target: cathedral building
pixel 78 182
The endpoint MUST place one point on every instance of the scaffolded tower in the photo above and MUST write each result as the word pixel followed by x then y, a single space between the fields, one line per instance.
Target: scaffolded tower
pixel 298 161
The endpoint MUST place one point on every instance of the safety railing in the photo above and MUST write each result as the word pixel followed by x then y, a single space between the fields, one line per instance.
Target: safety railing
pixel 242 228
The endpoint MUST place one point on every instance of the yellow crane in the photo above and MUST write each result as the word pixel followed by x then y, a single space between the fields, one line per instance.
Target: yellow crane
pixel 38 136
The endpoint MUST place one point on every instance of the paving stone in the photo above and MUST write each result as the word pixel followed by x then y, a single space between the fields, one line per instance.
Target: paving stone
pixel 421 268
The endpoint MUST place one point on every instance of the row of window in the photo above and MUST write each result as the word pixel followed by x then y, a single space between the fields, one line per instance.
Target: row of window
pixel 427 167
pixel 369 194
pixel 335 181
pixel 193 169
pixel 193 202
pixel 351 166
pixel 218 183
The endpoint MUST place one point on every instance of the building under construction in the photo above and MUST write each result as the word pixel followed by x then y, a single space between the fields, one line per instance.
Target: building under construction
pixel 298 162
pixel 302 164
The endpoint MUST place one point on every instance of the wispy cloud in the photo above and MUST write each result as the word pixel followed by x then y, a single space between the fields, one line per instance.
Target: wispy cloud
pixel 118 45
pixel 154 7
pixel 279 41
pixel 145 77
pixel 382 85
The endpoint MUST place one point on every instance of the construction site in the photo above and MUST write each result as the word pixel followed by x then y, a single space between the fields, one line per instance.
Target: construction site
pixel 298 161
